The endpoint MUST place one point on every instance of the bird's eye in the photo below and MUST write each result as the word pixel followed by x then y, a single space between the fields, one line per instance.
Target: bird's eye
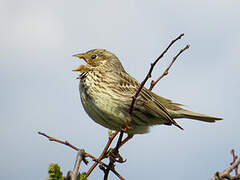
pixel 93 56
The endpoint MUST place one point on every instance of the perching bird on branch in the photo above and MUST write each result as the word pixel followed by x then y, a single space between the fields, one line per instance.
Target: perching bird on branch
pixel 106 91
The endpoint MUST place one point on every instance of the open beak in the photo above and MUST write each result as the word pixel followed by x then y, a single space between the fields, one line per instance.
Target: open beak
pixel 81 67
pixel 81 56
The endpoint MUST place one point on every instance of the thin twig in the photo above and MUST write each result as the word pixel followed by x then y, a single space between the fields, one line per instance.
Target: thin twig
pixel 153 83
pixel 150 72
pixel 117 174
pixel 110 139
pixel 226 172
pixel 69 145
pixel 59 141
pixel 111 167
pixel 234 159
pixel 116 149
pixel 97 160
pixel 113 156
pixel 126 140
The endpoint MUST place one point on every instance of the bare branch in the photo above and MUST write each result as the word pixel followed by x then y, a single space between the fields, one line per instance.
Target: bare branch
pixel 226 172
pixel 72 175
pixel 80 157
pixel 234 159
pixel 149 75
pixel 69 145
pixel 153 83
pixel 114 157
pixel 110 139
pixel 116 149
pixel 59 141
pixel 97 160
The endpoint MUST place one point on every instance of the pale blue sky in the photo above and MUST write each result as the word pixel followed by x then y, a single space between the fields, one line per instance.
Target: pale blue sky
pixel 39 91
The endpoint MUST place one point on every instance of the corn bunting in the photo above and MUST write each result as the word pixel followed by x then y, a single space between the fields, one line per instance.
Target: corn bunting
pixel 106 91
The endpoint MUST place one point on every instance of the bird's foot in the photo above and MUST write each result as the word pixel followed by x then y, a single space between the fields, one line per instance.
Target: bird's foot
pixel 126 127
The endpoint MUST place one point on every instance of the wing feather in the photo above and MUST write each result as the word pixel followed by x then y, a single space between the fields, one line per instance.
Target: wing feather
pixel 151 102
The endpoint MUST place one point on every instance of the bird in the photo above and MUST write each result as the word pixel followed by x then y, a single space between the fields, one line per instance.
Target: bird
pixel 106 92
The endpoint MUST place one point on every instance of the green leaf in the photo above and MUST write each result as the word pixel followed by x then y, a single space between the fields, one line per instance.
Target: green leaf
pixel 110 132
pixel 82 176
pixel 55 172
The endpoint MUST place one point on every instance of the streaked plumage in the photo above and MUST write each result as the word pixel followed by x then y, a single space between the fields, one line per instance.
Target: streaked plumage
pixel 106 91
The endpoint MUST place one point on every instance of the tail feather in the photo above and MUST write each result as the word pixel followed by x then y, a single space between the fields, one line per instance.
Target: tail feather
pixel 176 111
pixel 192 115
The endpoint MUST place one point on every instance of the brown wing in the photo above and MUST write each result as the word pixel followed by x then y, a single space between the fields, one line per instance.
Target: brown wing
pixel 151 102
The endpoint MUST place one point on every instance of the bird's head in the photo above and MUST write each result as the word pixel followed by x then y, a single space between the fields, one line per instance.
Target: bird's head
pixel 98 57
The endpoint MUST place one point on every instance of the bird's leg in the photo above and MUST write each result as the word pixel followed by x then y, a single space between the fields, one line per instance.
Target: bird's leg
pixel 125 129
pixel 119 142
pixel 114 153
